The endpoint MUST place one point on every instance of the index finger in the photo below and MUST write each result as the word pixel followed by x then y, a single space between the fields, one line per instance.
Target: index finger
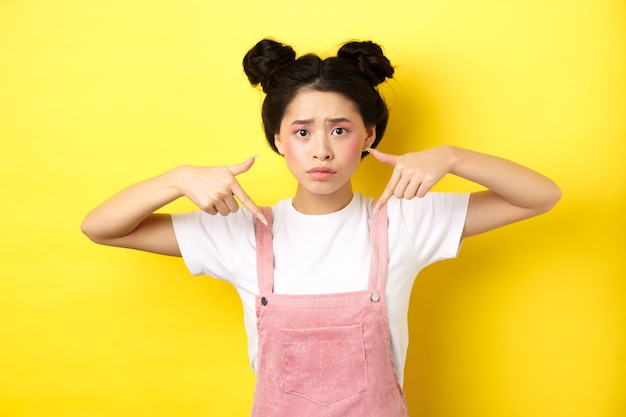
pixel 387 192
pixel 385 158
pixel 247 202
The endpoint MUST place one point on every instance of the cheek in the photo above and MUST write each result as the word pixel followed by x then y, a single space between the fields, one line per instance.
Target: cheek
pixel 351 150
pixel 294 154
pixel 289 149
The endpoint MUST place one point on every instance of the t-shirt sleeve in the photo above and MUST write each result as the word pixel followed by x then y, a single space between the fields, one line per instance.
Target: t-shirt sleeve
pixel 434 224
pixel 213 245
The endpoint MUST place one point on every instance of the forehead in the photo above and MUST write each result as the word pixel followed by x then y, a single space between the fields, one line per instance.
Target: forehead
pixel 321 105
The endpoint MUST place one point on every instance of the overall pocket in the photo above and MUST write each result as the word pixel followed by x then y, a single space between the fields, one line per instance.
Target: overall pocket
pixel 324 365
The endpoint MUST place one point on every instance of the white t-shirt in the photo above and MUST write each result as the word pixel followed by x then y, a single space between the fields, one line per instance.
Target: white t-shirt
pixel 317 254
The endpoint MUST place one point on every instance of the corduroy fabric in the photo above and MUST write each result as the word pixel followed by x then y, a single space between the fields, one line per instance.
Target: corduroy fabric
pixel 325 355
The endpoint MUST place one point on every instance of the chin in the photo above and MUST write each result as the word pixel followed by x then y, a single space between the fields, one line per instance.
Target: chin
pixel 324 189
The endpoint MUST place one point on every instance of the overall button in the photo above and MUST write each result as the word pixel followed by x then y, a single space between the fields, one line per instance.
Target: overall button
pixel 375 297
pixel 264 301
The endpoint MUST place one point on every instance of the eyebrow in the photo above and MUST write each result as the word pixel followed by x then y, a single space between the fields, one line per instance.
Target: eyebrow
pixel 333 120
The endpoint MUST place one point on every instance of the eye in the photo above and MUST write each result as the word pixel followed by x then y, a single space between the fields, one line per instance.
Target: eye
pixel 339 131
pixel 301 133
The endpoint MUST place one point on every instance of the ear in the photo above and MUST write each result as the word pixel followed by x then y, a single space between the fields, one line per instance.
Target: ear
pixel 279 144
pixel 370 138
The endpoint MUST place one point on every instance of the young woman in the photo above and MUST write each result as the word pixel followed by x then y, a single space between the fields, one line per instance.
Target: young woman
pixel 325 277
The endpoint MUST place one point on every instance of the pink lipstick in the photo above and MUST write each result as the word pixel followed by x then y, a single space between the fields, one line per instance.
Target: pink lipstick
pixel 321 173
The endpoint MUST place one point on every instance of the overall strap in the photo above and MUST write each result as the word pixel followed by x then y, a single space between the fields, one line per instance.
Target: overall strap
pixel 379 225
pixel 265 253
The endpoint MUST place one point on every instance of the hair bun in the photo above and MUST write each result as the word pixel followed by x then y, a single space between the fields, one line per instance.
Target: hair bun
pixel 264 59
pixel 369 58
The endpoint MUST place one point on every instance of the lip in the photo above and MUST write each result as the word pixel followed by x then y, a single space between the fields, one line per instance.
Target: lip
pixel 321 173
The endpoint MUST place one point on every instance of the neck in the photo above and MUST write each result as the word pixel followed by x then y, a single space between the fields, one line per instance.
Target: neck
pixel 307 202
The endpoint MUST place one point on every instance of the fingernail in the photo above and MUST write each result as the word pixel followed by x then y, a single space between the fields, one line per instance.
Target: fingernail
pixel 261 217
pixel 376 208
pixel 369 149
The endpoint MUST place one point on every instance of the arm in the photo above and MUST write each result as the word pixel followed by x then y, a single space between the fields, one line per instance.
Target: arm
pixel 128 220
pixel 513 192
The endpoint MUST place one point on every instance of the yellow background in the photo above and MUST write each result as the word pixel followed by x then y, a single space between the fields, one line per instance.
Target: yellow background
pixel 529 321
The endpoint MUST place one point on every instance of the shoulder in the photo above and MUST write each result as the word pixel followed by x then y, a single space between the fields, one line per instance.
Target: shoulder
pixel 207 241
pixel 202 220
pixel 434 217
pixel 427 229
pixel 432 204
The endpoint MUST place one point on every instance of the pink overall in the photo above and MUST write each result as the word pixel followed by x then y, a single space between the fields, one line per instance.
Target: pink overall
pixel 325 355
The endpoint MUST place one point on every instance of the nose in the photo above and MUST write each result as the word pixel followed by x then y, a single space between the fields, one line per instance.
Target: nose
pixel 322 150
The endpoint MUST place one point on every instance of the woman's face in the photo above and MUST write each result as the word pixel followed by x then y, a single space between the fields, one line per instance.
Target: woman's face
pixel 322 136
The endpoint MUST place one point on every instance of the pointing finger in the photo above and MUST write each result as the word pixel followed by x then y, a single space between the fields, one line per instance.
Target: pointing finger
pixel 385 158
pixel 242 167
pixel 387 192
pixel 247 202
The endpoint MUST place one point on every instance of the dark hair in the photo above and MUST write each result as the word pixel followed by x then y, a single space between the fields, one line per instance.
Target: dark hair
pixel 355 72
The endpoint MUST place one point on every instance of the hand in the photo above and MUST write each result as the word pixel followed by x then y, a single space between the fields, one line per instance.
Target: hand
pixel 414 174
pixel 213 189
